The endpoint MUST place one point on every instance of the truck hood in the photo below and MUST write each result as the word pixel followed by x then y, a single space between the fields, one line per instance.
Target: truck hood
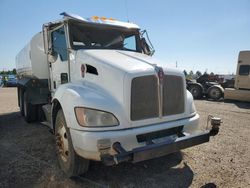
pixel 130 62
pixel 115 70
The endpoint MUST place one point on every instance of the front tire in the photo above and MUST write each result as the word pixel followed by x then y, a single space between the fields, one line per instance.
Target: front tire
pixel 69 161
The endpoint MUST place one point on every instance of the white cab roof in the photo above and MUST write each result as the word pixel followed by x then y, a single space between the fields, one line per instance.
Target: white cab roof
pixel 100 20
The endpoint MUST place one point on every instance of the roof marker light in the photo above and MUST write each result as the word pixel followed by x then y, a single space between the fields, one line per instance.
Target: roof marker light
pixel 103 18
pixel 95 18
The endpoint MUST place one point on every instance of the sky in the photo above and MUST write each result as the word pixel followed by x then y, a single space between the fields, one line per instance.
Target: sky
pixel 204 35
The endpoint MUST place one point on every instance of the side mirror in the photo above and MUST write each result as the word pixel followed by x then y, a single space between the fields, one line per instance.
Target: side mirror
pixel 52 57
pixel 145 47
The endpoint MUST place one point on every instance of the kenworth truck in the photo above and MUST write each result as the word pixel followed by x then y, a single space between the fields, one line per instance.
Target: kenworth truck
pixel 104 97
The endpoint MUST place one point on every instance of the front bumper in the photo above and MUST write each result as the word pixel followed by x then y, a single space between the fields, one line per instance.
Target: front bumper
pixel 141 143
pixel 154 150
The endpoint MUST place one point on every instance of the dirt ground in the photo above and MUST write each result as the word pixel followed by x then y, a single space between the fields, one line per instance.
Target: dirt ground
pixel 27 155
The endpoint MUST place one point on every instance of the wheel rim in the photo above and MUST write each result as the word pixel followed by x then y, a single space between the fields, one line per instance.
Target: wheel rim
pixel 62 143
pixel 214 93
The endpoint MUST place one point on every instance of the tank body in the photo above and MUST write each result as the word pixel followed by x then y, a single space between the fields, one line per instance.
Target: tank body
pixel 31 61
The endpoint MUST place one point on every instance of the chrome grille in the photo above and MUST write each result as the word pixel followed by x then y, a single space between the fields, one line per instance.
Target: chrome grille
pixel 173 95
pixel 145 99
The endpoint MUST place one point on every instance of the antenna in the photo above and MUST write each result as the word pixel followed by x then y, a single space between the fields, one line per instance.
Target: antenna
pixel 126 8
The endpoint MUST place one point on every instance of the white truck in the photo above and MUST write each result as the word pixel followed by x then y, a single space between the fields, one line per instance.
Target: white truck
pixel 103 95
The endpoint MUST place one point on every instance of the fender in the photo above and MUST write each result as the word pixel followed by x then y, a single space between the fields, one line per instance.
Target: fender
pixel 189 102
pixel 74 95
pixel 37 89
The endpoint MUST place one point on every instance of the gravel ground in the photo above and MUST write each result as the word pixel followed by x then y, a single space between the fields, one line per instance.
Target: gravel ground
pixel 27 157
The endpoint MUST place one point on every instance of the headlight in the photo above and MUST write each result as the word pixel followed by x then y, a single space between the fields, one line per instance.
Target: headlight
pixel 95 118
pixel 192 108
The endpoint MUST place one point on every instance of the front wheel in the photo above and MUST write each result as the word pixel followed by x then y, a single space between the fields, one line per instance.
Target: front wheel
pixel 69 161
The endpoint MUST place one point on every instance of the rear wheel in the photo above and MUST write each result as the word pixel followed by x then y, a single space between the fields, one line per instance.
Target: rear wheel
pixel 196 91
pixel 21 102
pixel 214 93
pixel 69 161
pixel 29 110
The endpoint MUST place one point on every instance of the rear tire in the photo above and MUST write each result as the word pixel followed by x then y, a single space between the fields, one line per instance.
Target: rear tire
pixel 69 161
pixel 214 93
pixel 21 102
pixel 196 91
pixel 29 110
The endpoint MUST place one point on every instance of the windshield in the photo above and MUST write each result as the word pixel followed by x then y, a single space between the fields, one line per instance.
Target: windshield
pixel 97 36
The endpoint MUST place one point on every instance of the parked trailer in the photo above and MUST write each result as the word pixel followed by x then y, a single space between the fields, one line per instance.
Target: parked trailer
pixel 103 95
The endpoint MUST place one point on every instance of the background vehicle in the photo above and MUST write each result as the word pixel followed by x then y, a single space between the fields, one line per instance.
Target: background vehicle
pixel 205 86
pixel 241 90
pixel 11 81
pixel 103 95
pixel 228 83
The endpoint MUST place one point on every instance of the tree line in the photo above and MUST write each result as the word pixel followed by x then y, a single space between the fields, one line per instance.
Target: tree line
pixel 192 75
pixel 3 72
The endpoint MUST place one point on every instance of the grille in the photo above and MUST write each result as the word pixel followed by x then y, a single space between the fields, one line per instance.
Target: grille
pixel 173 95
pixel 144 97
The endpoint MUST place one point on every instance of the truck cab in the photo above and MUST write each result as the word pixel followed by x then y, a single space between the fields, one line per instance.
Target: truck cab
pixel 241 90
pixel 103 94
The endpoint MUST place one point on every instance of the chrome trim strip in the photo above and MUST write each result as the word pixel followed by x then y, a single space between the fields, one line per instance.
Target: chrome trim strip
pixel 160 77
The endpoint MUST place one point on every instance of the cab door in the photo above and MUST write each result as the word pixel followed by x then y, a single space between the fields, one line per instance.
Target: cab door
pixel 58 61
pixel 243 80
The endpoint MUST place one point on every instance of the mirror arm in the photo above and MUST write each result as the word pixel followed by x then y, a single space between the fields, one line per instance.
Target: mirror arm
pixel 150 46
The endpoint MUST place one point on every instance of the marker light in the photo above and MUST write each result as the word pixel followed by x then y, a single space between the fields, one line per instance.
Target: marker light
pixel 103 18
pixel 95 18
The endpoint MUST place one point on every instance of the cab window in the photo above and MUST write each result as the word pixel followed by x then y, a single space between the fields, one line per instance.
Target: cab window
pixel 59 43
pixel 129 43
pixel 96 36
pixel 244 70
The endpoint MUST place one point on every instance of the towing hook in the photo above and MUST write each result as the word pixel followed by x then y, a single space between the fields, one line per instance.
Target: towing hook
pixel 215 125
pixel 118 147
pixel 121 156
